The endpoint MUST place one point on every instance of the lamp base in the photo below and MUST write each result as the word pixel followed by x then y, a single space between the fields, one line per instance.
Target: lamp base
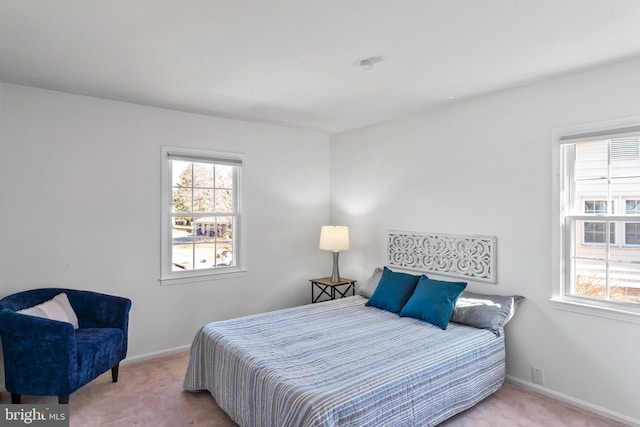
pixel 335 274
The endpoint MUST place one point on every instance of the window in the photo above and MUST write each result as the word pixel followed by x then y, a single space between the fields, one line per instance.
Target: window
pixel 595 232
pixel 201 216
pixel 632 229
pixel 599 233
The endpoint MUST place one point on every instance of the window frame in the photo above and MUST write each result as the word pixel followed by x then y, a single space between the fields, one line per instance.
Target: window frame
pixel 167 275
pixel 562 234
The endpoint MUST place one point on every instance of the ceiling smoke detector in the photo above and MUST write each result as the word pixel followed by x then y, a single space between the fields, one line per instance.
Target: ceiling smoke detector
pixel 368 63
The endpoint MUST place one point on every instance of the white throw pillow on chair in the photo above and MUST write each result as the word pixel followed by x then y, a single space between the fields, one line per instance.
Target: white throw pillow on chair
pixel 57 308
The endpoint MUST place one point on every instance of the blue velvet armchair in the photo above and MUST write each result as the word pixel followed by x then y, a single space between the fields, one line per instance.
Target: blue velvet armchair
pixel 44 357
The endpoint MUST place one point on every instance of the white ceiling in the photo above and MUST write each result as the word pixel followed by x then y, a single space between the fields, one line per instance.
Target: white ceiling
pixel 295 62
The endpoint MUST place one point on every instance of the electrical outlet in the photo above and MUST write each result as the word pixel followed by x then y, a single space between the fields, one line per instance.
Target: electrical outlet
pixel 537 374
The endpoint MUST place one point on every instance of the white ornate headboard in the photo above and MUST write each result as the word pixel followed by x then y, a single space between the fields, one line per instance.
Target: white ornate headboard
pixel 467 257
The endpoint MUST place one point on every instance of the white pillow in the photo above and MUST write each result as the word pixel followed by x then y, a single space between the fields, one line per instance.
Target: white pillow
pixel 57 308
pixel 367 287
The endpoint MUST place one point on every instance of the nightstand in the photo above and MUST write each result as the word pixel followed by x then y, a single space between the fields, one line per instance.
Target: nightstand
pixel 330 289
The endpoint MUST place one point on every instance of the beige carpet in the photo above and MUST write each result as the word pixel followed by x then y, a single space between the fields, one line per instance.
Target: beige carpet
pixel 150 393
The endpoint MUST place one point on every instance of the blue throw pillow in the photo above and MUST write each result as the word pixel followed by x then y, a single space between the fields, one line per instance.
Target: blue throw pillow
pixel 393 291
pixel 433 301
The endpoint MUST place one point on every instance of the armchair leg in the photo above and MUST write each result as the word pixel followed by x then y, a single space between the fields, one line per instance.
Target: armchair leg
pixel 114 373
pixel 63 400
pixel 15 398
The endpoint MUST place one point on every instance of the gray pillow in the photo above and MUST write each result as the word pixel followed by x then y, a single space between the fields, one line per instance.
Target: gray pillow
pixel 483 311
pixel 367 287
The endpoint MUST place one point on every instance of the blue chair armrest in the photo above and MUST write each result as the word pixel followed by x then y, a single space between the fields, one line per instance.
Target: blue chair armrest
pixel 32 327
pixel 96 310
pixel 38 348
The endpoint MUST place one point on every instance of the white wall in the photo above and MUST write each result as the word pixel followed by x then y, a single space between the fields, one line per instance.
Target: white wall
pixel 80 208
pixel 80 199
pixel 483 166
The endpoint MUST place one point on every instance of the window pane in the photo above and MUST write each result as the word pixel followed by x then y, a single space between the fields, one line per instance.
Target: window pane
pixel 599 207
pixel 181 173
pixel 182 199
pixel 224 176
pixel 591 160
pixel 203 175
pixel 590 278
pixel 595 206
pixel 632 233
pixel 202 200
pixel 225 229
pixel 205 228
pixel 596 232
pixel 632 206
pixel 224 201
pixel 224 255
pixel 624 282
pixel 182 244
pixel 205 255
pixel 182 231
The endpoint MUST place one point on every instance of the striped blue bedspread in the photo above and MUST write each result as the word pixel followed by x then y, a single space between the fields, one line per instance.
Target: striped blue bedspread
pixel 339 363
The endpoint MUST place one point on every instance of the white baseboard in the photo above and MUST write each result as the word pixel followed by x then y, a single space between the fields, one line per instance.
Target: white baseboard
pixel 155 354
pixel 574 401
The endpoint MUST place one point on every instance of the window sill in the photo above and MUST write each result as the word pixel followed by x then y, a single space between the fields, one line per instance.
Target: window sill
pixel 629 316
pixel 205 277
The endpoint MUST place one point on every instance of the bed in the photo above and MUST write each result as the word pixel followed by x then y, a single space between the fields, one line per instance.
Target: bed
pixel 343 363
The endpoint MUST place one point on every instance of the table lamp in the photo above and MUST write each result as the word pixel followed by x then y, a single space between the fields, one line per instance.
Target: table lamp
pixel 334 238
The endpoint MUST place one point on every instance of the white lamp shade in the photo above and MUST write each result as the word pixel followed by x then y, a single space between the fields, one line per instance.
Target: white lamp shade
pixel 334 238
